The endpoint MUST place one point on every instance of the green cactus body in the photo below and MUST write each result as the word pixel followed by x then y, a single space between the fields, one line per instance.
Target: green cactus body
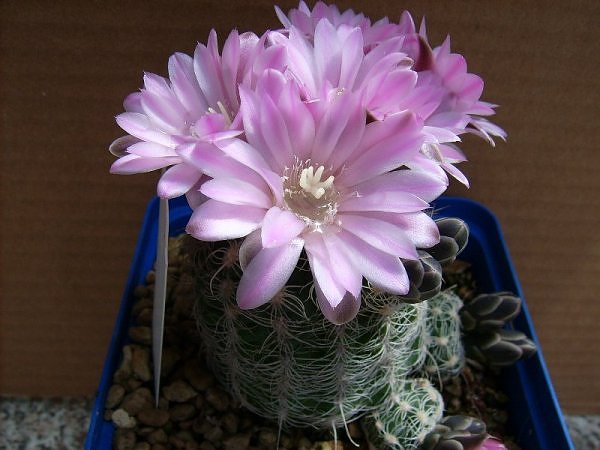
pixel 445 352
pixel 286 362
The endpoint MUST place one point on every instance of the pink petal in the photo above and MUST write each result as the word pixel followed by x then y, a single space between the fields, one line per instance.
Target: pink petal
pixel 345 273
pixel 205 68
pixel 164 112
pixel 299 121
pixel 327 52
pixel 350 138
pixel 209 124
pixel 184 84
pixel 139 125
pixel 280 227
pixel 332 124
pixel 237 192
pixel 245 154
pixel 130 164
pixel 212 161
pixel 344 312
pixel 194 197
pixel 352 56
pixel 217 221
pixel 323 276
pixel 133 103
pixel 384 148
pixel 424 185
pixel 274 132
pixel 267 274
pixel 419 227
pixel 382 235
pixel 250 247
pixel 384 201
pixel 119 146
pixel 177 181
pixel 150 150
pixel 384 271
pixel 230 61
pixel 456 173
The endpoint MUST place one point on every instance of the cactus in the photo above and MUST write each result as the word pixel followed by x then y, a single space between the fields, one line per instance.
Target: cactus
pixel 286 362
pixel 445 354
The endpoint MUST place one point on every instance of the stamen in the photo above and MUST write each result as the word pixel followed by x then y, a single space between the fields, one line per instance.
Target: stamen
pixel 224 112
pixel 221 110
pixel 311 182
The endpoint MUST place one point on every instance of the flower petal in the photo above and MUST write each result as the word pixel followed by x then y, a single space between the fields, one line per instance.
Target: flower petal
pixel 139 125
pixel 424 185
pixel 184 84
pixel 280 227
pixel 217 221
pixel 267 274
pixel 250 247
pixel 344 312
pixel 386 155
pixel 119 146
pixel 150 150
pixel 384 271
pixel 380 234
pixel 130 164
pixel 237 192
pixel 177 180
pixel 397 202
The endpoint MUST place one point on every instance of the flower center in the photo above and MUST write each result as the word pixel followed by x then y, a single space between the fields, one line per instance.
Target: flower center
pixel 309 192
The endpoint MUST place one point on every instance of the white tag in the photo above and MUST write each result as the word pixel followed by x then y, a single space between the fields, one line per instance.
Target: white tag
pixel 160 292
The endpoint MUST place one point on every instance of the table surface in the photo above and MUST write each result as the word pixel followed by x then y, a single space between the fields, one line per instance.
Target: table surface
pixel 49 424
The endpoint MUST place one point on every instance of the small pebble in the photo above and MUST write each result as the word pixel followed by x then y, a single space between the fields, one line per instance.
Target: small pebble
pixel 158 437
pixel 328 445
pixel 179 391
pixel 141 335
pixel 124 371
pixel 230 423
pixel 140 363
pixel 200 378
pixel 153 417
pixel 145 317
pixel 267 439
pixel 114 396
pixel 139 399
pixel 182 412
pixel 214 434
pixel 124 439
pixel 217 398
pixel 159 447
pixel 142 446
pixel 237 442
pixel 122 419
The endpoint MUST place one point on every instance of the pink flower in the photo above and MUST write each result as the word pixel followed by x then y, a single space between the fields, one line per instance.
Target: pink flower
pixel 198 103
pixel 305 20
pixel 325 182
pixel 442 92
pixel 453 100
pixel 492 443
pixel 335 57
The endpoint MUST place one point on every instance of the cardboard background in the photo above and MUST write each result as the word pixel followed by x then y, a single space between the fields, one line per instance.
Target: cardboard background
pixel 68 228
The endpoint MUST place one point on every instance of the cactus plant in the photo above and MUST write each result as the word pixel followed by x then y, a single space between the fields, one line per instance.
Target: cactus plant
pixel 310 156
pixel 284 361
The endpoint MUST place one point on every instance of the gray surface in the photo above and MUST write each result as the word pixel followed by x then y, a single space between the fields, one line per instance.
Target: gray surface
pixel 61 424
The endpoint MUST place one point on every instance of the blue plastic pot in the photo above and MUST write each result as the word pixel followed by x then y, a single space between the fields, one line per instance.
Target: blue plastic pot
pixel 535 419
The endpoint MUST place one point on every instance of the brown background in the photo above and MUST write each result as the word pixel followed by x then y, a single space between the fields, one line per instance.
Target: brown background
pixel 68 228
